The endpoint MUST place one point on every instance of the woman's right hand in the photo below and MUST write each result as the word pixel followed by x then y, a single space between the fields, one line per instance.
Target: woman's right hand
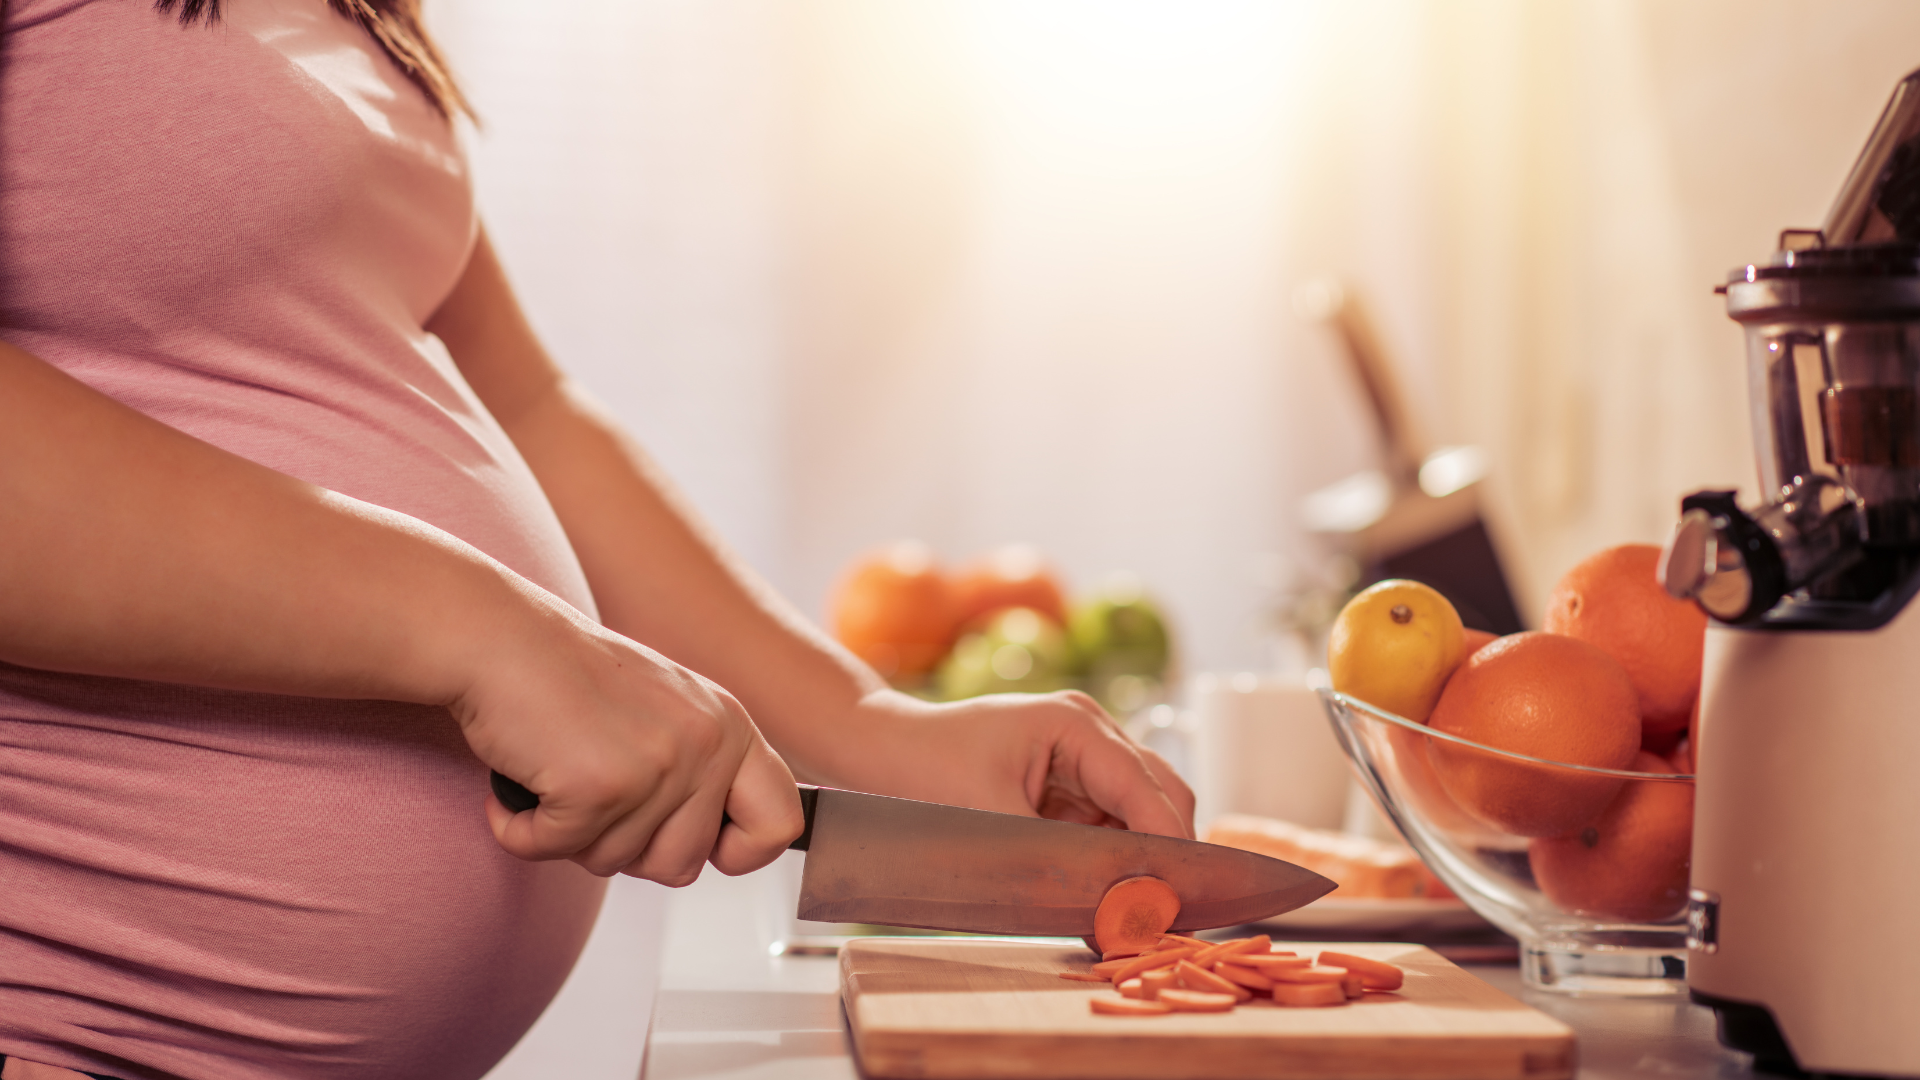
pixel 634 758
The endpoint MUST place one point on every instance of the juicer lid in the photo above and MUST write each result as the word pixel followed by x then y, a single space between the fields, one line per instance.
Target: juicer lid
pixel 1880 201
pixel 1873 227
pixel 1876 282
pixel 1895 259
pixel 1864 260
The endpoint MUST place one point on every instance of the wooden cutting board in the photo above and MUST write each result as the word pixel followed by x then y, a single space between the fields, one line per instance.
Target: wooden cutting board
pixel 981 1009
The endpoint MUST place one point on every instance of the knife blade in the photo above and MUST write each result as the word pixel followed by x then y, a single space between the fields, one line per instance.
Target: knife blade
pixel 897 862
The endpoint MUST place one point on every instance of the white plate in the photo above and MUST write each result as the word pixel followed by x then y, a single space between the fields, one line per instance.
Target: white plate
pixel 1379 916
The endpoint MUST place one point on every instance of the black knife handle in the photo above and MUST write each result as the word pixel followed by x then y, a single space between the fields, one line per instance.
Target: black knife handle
pixel 518 799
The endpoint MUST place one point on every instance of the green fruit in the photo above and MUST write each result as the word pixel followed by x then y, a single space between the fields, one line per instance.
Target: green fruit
pixel 1123 643
pixel 1121 632
pixel 1018 651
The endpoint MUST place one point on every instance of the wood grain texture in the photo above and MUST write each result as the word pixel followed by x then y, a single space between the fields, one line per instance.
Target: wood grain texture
pixel 979 1009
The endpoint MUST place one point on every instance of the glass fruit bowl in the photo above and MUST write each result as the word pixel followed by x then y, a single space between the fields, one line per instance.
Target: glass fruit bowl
pixel 1586 867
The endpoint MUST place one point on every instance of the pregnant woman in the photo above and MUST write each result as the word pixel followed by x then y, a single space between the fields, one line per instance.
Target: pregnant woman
pixel 301 532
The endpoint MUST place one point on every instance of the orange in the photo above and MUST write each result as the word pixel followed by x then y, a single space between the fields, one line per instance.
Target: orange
pixel 1630 864
pixel 896 610
pixel 1419 787
pixel 1547 696
pixel 1477 640
pixel 1417 784
pixel 1614 599
pixel 1010 576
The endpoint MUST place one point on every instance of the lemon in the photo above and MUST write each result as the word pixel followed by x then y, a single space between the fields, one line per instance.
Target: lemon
pixel 1394 646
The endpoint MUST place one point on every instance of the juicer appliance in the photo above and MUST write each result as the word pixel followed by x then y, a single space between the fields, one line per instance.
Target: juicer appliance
pixel 1804 914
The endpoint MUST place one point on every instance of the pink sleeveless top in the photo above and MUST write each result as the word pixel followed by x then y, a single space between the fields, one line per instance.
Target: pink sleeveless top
pixel 239 230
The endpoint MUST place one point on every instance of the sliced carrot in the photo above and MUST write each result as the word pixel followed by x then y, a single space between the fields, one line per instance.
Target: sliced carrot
pixel 1106 968
pixel 1157 980
pixel 1182 939
pixel 1269 961
pixel 1146 962
pixel 1309 994
pixel 1315 974
pixel 1379 974
pixel 1134 914
pixel 1132 988
pixel 1197 1001
pixel 1107 1006
pixel 1199 978
pixel 1208 955
pixel 1120 954
pixel 1229 948
pixel 1082 976
pixel 1244 976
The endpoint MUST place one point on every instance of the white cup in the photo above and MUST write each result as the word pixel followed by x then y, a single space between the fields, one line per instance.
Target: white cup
pixel 1264 746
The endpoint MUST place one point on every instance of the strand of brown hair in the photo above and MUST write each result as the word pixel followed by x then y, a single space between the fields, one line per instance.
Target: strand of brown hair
pixel 395 24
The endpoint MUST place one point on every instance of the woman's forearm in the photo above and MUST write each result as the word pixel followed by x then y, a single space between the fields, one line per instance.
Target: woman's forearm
pixel 660 577
pixel 130 549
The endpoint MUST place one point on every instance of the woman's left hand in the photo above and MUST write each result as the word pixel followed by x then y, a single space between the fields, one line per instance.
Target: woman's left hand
pixel 1047 755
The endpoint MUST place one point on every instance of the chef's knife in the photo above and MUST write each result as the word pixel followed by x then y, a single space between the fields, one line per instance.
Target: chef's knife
pixel 896 862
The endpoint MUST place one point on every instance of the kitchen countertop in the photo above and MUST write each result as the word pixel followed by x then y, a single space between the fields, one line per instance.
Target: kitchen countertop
pixel 727 1010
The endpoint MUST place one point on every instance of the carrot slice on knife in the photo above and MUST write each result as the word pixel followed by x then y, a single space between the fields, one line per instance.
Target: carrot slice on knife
pixel 1106 1006
pixel 1197 1001
pixel 1378 974
pixel 1134 914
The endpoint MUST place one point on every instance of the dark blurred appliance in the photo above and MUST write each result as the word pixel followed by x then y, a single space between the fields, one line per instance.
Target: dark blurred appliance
pixel 1806 848
pixel 1419 516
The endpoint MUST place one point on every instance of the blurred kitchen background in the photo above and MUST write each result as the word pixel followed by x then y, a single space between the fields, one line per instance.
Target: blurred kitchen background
pixel 986 270
pixel 978 271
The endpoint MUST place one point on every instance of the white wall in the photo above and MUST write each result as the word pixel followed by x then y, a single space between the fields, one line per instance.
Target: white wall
pixel 630 170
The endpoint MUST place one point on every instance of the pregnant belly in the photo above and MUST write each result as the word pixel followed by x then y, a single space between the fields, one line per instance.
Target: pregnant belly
pixel 219 885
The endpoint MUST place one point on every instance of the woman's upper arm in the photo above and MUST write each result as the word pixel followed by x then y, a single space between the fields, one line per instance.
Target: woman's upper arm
pixel 491 341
